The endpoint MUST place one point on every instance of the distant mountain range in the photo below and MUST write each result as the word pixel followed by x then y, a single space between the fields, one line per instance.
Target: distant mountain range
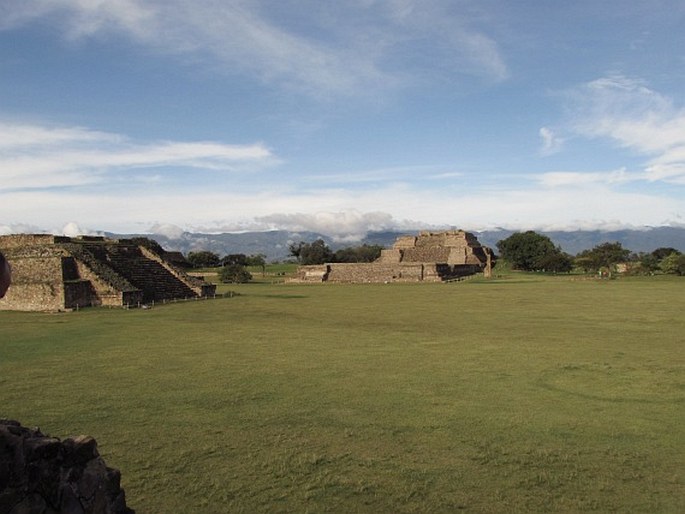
pixel 274 244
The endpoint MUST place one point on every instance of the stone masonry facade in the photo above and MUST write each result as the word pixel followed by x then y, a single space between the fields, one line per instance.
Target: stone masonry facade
pixel 54 273
pixel 428 257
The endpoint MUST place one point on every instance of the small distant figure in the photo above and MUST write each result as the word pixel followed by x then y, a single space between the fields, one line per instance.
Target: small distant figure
pixel 5 275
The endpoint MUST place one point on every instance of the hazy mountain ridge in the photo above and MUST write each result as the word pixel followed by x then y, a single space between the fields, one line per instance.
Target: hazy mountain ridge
pixel 274 243
pixel 573 242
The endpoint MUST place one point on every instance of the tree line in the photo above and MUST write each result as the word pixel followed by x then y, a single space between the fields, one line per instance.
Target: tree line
pixel 530 251
pixel 524 251
pixel 234 266
pixel 318 252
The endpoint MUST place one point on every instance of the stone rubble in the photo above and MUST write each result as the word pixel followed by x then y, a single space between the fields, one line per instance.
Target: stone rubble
pixel 43 475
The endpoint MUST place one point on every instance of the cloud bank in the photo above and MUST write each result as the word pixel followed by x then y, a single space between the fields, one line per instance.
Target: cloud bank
pixel 341 226
pixel 41 156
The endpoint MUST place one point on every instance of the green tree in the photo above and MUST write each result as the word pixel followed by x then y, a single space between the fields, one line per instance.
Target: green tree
pixel 295 249
pixel 234 258
pixel 317 252
pixel 363 253
pixel 662 252
pixel 556 262
pixel 257 260
pixel 673 264
pixel 649 263
pixel 530 251
pixel 203 259
pixel 605 255
pixel 233 273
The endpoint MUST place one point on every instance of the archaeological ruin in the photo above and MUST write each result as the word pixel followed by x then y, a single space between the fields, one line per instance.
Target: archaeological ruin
pixel 55 273
pixel 428 257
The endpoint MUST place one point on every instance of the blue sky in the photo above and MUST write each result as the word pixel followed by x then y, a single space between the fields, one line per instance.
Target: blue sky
pixel 340 117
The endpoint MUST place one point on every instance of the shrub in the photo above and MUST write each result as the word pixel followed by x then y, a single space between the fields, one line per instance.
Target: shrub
pixel 234 274
pixel 674 264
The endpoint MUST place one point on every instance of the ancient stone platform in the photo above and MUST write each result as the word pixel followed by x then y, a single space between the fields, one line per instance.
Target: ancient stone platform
pixel 427 257
pixel 54 273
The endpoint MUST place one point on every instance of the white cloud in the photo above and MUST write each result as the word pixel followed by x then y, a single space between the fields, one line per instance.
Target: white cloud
pixel 551 143
pixel 460 46
pixel 20 228
pixel 636 117
pixel 72 229
pixel 348 225
pixel 382 175
pixel 554 179
pixel 339 48
pixel 344 213
pixel 38 156
pixel 167 229
pixel 22 136
pixel 82 17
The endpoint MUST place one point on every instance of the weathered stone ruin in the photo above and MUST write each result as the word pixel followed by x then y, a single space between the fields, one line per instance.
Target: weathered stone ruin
pixel 43 475
pixel 54 273
pixel 428 257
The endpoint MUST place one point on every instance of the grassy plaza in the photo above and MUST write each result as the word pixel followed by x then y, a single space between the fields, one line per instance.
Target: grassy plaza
pixel 519 394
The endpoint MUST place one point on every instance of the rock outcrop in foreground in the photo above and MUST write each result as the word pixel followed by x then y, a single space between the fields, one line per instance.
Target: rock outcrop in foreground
pixel 43 475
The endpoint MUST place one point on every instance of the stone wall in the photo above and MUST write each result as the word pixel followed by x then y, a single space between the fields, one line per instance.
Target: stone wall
pixel 426 254
pixel 313 273
pixel 390 255
pixel 36 281
pixel 21 241
pixel 43 475
pixel 376 272
pixel 405 242
pixel 77 294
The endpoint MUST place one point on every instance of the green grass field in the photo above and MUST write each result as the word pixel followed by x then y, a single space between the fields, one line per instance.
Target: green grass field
pixel 522 394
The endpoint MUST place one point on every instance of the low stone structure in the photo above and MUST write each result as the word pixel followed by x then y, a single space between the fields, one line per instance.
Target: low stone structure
pixel 43 475
pixel 54 273
pixel 428 257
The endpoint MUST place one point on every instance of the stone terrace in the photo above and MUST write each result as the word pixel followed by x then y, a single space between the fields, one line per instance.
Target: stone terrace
pixel 428 257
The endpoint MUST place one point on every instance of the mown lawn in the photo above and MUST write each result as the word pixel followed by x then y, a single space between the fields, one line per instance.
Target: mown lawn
pixel 523 394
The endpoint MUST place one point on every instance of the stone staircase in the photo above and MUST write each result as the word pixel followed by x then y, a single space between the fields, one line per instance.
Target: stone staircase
pixel 156 282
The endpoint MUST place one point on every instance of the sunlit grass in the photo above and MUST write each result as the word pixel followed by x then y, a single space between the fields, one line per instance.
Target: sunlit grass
pixel 524 393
